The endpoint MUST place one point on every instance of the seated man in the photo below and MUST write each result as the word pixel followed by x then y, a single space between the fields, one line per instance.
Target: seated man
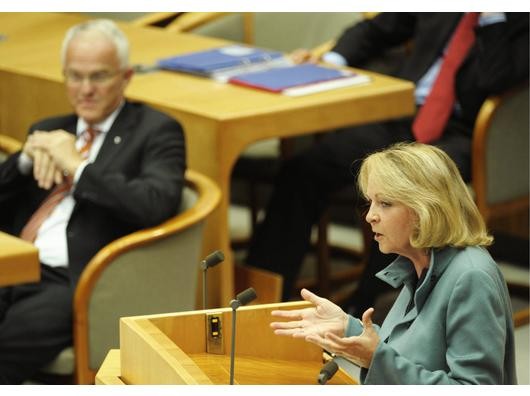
pixel 488 53
pixel 81 181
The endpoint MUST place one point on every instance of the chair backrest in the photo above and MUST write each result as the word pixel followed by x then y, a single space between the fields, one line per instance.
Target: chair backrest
pixel 149 271
pixel 500 175
pixel 283 31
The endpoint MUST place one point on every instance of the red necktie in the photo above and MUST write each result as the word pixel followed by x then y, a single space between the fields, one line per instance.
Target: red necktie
pixel 29 232
pixel 432 117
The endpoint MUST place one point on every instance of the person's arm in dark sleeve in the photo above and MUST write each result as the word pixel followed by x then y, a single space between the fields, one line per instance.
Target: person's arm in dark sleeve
pixel 369 38
pixel 150 196
pixel 502 53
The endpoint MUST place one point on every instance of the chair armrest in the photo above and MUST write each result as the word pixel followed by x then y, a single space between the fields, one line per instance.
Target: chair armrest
pixel 143 272
pixel 9 145
pixel 209 197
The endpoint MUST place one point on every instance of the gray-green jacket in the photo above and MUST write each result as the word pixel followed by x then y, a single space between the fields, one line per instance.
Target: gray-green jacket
pixel 458 330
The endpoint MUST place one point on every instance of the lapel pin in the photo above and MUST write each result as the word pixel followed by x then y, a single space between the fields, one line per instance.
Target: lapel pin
pixel 117 139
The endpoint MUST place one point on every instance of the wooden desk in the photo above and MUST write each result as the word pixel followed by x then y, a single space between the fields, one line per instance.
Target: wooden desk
pixel 219 120
pixel 19 261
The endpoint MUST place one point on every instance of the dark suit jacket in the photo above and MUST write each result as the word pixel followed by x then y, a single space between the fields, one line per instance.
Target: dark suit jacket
pixel 135 182
pixel 497 61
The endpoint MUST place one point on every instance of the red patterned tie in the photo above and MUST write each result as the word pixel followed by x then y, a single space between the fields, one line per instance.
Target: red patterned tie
pixel 29 232
pixel 432 117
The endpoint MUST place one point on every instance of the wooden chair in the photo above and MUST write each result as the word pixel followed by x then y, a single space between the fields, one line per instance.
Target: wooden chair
pixel 149 271
pixel 154 270
pixel 500 170
pixel 500 177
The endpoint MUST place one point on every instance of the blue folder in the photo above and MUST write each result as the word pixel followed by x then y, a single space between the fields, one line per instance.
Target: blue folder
pixel 209 61
pixel 281 78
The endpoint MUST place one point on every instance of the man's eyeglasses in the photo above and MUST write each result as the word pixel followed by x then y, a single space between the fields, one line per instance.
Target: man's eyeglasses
pixel 96 78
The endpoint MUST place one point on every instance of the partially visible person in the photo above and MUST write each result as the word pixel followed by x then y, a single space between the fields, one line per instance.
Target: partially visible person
pixel 452 321
pixel 495 60
pixel 81 181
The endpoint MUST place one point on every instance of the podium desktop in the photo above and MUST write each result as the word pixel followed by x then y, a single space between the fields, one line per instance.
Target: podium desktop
pixel 219 120
pixel 172 349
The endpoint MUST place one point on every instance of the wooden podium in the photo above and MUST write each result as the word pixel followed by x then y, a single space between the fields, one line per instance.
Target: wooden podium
pixel 172 349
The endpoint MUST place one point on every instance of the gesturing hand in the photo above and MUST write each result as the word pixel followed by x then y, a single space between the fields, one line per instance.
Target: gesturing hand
pixel 359 349
pixel 317 321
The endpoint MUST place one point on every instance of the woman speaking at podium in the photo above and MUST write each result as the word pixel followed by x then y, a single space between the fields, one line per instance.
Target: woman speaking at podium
pixel 452 321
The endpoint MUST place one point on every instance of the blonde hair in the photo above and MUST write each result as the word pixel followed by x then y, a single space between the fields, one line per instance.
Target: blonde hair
pixel 425 179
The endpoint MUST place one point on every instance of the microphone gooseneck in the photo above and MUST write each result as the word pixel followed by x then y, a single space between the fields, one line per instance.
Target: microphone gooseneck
pixel 242 298
pixel 327 372
pixel 210 261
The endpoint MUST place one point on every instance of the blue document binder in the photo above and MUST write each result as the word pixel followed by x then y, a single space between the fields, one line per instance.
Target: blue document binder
pixel 214 60
pixel 299 79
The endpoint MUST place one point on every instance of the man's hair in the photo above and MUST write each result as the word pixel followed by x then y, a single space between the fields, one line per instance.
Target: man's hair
pixel 425 179
pixel 108 29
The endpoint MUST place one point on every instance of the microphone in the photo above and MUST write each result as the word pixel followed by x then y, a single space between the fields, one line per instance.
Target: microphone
pixel 242 298
pixel 210 261
pixel 327 372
